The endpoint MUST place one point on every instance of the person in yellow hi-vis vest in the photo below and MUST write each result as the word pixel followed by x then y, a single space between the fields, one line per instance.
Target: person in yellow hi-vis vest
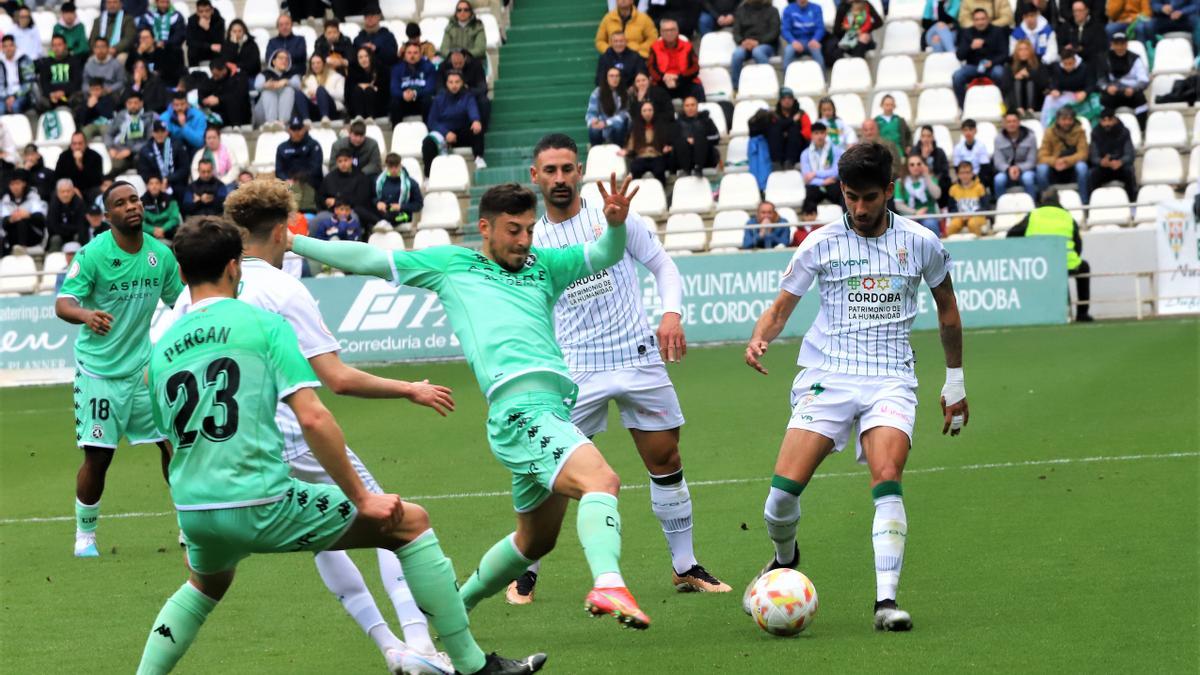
pixel 1052 220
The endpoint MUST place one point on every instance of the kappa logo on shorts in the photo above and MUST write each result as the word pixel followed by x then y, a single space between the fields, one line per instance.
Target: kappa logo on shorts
pixel 558 453
pixel 322 504
pixel 97 431
pixel 533 431
pixel 343 510
pixel 545 441
pixel 305 541
pixel 302 497
pixel 513 417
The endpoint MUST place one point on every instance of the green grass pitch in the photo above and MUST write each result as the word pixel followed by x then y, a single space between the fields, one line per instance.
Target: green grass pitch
pixel 1059 533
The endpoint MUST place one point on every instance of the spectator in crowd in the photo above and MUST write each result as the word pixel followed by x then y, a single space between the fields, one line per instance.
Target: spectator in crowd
pixel 1171 16
pixel 277 90
pixel 305 194
pixel 967 195
pixel 168 27
pixel 18 75
pixel 870 134
pixel 81 164
pixel 164 157
pixel 1064 153
pixel 334 47
pixel 1111 155
pixel 637 27
pixel 618 55
pixel 225 94
pixel 41 177
pixel 60 75
pixel 1123 79
pixel 168 65
pixel 244 176
pixel 64 216
pixel 803 30
pixel 940 22
pixel 216 153
pixel 644 90
pixel 837 131
pixel 983 51
pixel 1035 29
pixel 93 215
pixel 808 223
pixel 1124 14
pixel 970 149
pixel 673 64
pixel 769 233
pixel 29 39
pixel 649 145
pixel 397 195
pixel 1084 33
pixel 454 116
pixel 893 127
pixel 147 84
pixel 755 34
pixel 607 117
pixel 852 26
pixel 1025 80
pixel 22 214
pixel 696 140
pixel 205 196
pixel 412 33
pixel 1015 157
pixel 205 33
pixel 685 13
pixel 342 223
pixel 791 131
pixel 346 184
pixel 74 32
pixel 300 155
pixel 288 41
pixel 465 31
pixel 1001 10
pixel 366 86
pixel 241 49
pixel 128 132
pixel 1052 220
pixel 377 38
pixel 935 159
pixel 716 14
pixel 117 27
pixel 161 213
pixel 1070 84
pixel 364 151
pixel 324 91
pixel 474 80
pixel 917 194
pixel 413 85
pixel 102 66
pixel 818 167
pixel 94 111
pixel 185 123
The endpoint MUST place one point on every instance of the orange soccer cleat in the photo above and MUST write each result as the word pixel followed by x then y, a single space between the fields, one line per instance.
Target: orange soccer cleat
pixel 618 603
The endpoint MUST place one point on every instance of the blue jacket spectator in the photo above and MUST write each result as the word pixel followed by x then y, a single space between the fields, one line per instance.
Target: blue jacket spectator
pixel 300 155
pixel 804 23
pixel 414 74
pixel 190 129
pixel 295 45
pixel 452 112
pixel 380 39
pixel 1035 28
pixel 770 234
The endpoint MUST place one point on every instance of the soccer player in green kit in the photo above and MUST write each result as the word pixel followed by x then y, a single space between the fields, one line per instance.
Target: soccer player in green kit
pixel 500 301
pixel 113 287
pixel 216 376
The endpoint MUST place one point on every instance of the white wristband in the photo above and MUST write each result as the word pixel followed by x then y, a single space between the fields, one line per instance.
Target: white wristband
pixel 955 388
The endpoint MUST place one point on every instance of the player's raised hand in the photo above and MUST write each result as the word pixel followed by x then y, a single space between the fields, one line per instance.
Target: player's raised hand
pixel 955 416
pixel 100 322
pixel 387 510
pixel 290 239
pixel 672 344
pixel 616 199
pixel 433 396
pixel 754 352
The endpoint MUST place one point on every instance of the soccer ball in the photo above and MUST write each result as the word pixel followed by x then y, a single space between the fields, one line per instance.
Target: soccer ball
pixel 783 602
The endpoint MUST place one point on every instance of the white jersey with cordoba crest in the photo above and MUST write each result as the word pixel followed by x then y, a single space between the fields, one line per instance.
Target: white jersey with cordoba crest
pixel 600 321
pixel 868 290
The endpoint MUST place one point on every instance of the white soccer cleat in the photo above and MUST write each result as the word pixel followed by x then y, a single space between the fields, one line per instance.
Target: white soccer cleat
pixel 406 661
pixel 85 545
pixel 889 617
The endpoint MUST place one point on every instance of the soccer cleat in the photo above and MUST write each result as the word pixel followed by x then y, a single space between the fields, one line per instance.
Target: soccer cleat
pixel 698 580
pixel 773 565
pixel 407 661
pixel 182 541
pixel 618 603
pixel 889 617
pixel 85 545
pixel 520 592
pixel 498 665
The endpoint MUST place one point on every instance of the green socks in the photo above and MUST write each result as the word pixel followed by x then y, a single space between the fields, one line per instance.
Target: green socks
pixel 174 629
pixel 599 527
pixel 86 516
pixel 431 579
pixel 499 566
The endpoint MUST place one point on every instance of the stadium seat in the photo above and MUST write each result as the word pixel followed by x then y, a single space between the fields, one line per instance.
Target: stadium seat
pixel 828 11
pixel 350 30
pixel 984 103
pixel 685 231
pixel 903 106
pixel 310 37
pixel 261 36
pixel 491 31
pixel 259 14
pixel 18 129
pixel 1194 165
pixel 808 105
pixel 804 77
pixel 896 72
pixel 937 106
pixel 137 182
pixel 44 23
pixel 1166 128
pixel 52 264
pixel 1070 200
pixel 1173 55
pixel 433 28
pixel 938 70
pixel 902 10
pixel 736 155
pixel 1153 195
pixel 1087 128
pixel 105 159
pixel 985 132
pixel 415 169
pixel 66 127
pixel 1196 130
pixel 650 200
pixel 1036 127
pixel 901 37
pixel 1137 47
pixel 1135 130
pixel 738 191
pixel 718 86
pixel 50 155
pixel 787 215
pixel 942 138
pixel 1110 206
pixel 590 193
pixel 18 274
pixel 399 10
pixel 441 210
pixel 603 161
pixel 691 194
pixel 1161 85
pixel 1019 203
pixel 742 113
pixel 184 9
pixel 430 238
pixel 407 138
pixel 440 8
pixel 785 188
pixel 326 138
pixel 729 228
pixel 373 132
pixel 827 213
pixel 850 76
pixel 758 80
pixel 716 49
pixel 388 241
pixel 449 173
pixel 1162 165
pixel 717 114
pixel 850 108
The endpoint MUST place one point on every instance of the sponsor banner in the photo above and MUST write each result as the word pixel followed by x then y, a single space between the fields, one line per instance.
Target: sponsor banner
pixel 35 345
pixel 1178 279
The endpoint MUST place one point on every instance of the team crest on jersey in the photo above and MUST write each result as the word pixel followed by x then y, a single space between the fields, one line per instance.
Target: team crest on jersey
pixel 97 431
pixel 74 271
pixel 152 259
pixel 531 260
pixel 902 255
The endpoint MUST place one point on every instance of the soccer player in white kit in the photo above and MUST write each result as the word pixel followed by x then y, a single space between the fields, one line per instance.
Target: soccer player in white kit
pixel 614 355
pixel 260 208
pixel 857 364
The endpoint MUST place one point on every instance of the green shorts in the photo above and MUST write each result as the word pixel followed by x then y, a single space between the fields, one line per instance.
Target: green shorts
pixel 310 517
pixel 533 436
pixel 107 409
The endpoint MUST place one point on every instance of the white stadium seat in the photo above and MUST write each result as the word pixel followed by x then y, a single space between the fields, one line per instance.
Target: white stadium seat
pixel 433 28
pixel 785 188
pixel 392 241
pixel 1019 203
pixel 736 155
pixel 259 14
pixel 850 75
pixel 310 38
pixel 18 274
pixel 603 161
pixel 1196 130
pixel 685 232
pixel 1161 85
pixel 238 150
pixel 105 159
pixel 758 80
pixel 261 37
pixel 1135 130
pixel 900 10
pixel 984 103
pixel 1162 165
pixel 850 109
pixel 827 213
pixel 399 10
pixel 590 193
pixel 444 8
pixel 691 194
pixel 1138 48
pixel 896 72
pixel 430 238
pixel 407 138
pixel 441 210
pixel 742 112
pixel 937 106
pixel 491 31
pixel 738 191
pixel 650 200
pixel 136 181
pixel 52 264
pixel 938 69
pixel 1036 127
pixel 1194 165
pixel 449 173
pixel 718 85
pixel 1070 200
pixel 1110 206
pixel 50 155
pixel 717 114
pixel 941 136
pixel 985 133
pixel 729 228
pixel 18 128
pixel 787 215
pixel 415 169
pixel 1173 55
pixel 901 37
pixel 66 127
pixel 804 77
pixel 225 7
pixel 1155 194
pixel 903 106
pixel 326 138
pixel 716 49
pixel 1166 128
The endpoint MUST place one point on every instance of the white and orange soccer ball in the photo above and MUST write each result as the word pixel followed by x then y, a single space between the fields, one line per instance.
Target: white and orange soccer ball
pixel 783 602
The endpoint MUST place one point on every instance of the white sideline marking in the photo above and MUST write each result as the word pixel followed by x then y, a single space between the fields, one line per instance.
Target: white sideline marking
pixel 725 481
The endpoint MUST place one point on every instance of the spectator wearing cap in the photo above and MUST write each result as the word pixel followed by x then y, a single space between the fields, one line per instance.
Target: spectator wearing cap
pixel 606 117
pixel 205 33
pixel 161 213
pixel 81 164
pixel 696 139
pixel 819 168
pixel 60 75
pixel 41 177
pixel 1111 155
pixel 104 67
pixel 474 80
pixel 755 34
pixel 1037 30
pixel 620 56
pixel 1070 83
pixel 673 64
pixel 22 214
pixel 93 215
pixel 165 157
pixel 1083 32
pixel 1063 155
pixel 377 38
pixel 1015 157
pixel 803 30
pixel 277 90
pixel 1171 16
pixel 397 195
pixel 790 132
pixel 185 123
pixel 465 31
pixel 94 111
pixel 74 32
pixel 1123 79
pixel 983 51
pixel 300 154
pixel 205 196
pixel 69 250
pixel 323 89
pixel 18 75
pixel 346 184
pixel 412 34
pixel 1000 10
pixel 638 28
pixel 413 85
pixel 288 41
pixel 64 216
pixel 971 149
pixel 454 117
pixel 115 26
pixel 226 94
pixel 769 233
pixel 364 151
pixel 334 47
pixel 241 50
pixel 716 14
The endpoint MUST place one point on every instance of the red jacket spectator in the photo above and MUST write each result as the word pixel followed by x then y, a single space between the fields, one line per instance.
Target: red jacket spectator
pixel 679 60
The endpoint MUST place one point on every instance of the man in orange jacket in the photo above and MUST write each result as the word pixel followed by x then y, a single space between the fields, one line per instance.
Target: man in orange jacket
pixel 673 63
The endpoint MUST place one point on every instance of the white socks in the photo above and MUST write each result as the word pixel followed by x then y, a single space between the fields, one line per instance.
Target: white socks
pixel 412 620
pixel 343 579
pixel 781 513
pixel 888 533
pixel 672 504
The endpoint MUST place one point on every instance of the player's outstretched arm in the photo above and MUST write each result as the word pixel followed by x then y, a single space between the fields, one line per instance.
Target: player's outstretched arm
pixel 68 309
pixel 768 327
pixel 352 256
pixel 346 380
pixel 954 394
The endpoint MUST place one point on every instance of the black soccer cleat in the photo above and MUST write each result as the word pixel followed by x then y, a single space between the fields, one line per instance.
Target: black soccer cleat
pixel 889 617
pixel 773 565
pixel 520 591
pixel 498 665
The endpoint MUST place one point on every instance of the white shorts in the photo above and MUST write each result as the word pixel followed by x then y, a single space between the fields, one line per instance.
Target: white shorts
pixel 644 395
pixel 305 467
pixel 831 404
